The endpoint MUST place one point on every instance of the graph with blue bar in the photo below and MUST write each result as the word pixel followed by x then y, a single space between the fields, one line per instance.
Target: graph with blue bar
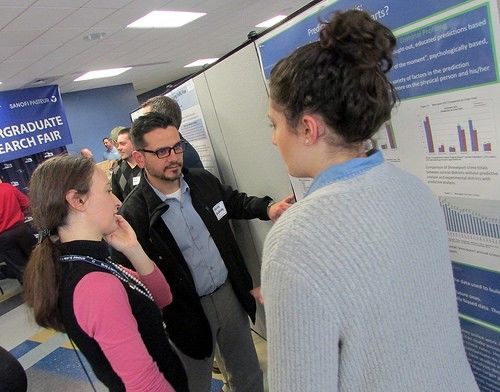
pixel 461 127
pixel 461 138
pixel 460 219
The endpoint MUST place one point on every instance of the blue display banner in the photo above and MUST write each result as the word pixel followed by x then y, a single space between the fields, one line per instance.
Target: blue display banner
pixel 478 293
pixel 31 121
pixel 392 13
pixel 450 54
pixel 482 348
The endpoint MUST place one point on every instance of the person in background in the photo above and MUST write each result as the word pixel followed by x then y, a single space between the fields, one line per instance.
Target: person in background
pixel 126 174
pixel 16 237
pixel 356 277
pixel 170 108
pixel 12 375
pixel 182 219
pixel 86 153
pixel 110 153
pixel 113 134
pixel 111 313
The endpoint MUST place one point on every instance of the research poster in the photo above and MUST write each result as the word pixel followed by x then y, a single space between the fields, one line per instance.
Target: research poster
pixel 32 121
pixel 193 126
pixel 446 131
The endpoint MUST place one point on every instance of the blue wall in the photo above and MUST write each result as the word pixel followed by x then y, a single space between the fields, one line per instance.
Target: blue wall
pixel 93 113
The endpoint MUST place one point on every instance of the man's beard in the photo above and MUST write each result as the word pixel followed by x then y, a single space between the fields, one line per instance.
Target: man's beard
pixel 161 174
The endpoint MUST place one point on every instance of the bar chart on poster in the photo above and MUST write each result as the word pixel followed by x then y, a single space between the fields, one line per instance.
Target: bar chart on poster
pixel 474 222
pixel 465 126
pixel 387 142
pixel 473 230
pixel 451 141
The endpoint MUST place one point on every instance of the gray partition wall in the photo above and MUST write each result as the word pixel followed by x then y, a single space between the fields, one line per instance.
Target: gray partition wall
pixel 233 98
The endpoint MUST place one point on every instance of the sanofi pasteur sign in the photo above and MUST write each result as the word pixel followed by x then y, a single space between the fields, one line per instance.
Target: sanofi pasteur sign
pixel 31 120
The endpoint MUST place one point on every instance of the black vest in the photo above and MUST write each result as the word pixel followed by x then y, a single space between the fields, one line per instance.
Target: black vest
pixel 145 311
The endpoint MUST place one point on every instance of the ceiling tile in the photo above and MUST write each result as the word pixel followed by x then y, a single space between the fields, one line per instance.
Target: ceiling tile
pixel 17 3
pixel 57 36
pixel 33 52
pixel 85 18
pixel 42 68
pixel 39 18
pixel 7 14
pixel 10 68
pixel 18 38
pixel 109 3
pixel 60 3
pixel 7 51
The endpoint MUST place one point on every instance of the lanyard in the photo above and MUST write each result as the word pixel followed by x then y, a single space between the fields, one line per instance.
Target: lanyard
pixel 113 268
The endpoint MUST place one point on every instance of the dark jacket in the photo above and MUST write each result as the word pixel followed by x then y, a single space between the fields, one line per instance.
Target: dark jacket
pixel 186 322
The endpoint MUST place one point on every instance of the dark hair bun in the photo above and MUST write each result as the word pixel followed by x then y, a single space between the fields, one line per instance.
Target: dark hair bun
pixel 354 37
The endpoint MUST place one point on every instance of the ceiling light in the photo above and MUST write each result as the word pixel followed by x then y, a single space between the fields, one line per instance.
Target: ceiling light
pixel 103 73
pixel 159 19
pixel 271 22
pixel 200 62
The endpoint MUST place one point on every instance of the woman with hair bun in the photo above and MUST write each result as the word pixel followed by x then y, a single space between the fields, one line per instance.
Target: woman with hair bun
pixel 110 312
pixel 356 276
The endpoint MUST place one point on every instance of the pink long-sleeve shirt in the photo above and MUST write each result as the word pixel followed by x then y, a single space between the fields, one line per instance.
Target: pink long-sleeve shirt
pixel 103 311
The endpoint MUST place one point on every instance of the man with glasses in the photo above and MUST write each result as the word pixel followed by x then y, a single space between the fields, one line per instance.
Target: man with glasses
pixel 181 217
pixel 170 108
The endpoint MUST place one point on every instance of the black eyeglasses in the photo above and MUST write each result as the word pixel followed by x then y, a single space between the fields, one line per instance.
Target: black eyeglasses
pixel 164 152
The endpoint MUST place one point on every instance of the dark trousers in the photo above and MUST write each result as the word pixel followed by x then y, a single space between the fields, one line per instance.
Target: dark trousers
pixel 231 331
pixel 16 244
pixel 12 374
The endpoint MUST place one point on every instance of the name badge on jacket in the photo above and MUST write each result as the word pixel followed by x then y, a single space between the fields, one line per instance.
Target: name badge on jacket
pixel 136 180
pixel 220 210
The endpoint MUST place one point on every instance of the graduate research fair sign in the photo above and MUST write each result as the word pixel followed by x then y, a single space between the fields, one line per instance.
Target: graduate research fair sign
pixel 31 121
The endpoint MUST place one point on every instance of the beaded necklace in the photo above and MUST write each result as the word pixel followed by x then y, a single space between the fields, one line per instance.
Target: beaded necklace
pixel 115 269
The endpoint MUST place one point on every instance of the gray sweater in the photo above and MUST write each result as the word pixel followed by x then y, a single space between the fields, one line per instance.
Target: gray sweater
pixel 359 292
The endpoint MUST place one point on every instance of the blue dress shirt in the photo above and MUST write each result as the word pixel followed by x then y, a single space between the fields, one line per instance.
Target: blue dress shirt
pixel 194 240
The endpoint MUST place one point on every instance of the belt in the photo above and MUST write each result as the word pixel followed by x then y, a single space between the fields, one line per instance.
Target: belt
pixel 213 292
